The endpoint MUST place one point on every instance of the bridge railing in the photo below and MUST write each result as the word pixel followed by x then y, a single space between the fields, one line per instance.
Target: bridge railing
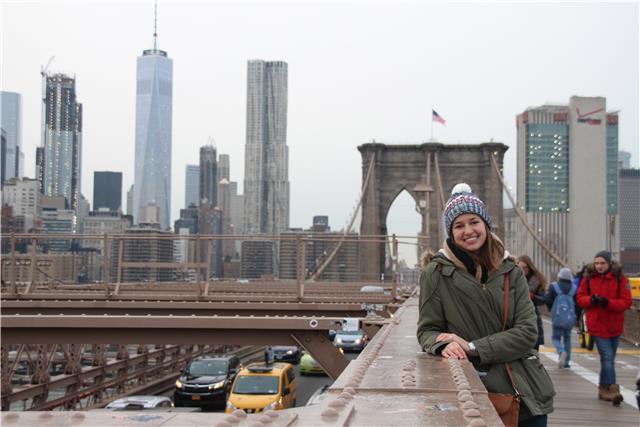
pixel 33 262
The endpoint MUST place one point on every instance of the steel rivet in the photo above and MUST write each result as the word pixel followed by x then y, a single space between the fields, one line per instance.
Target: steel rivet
pixel 471 413
pixel 477 422
pixel 329 412
pixel 336 404
pixel 470 405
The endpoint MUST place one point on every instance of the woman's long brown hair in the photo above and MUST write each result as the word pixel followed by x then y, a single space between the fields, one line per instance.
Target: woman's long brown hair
pixel 533 270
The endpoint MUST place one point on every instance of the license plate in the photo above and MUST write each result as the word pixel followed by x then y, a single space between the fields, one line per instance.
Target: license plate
pixel 195 397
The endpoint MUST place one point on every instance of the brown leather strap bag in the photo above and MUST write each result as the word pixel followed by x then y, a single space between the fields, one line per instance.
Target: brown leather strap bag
pixel 507 405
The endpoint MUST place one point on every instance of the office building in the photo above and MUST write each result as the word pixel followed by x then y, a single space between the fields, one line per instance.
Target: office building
pixel 11 123
pixel 208 188
pixel 130 201
pixel 266 177
pixel 257 259
pixel 188 220
pixel 568 180
pixel 3 155
pixel 224 167
pixel 152 248
pixel 154 100
pixel 210 223
pixel 624 160
pixel 61 156
pixel 107 190
pixel 630 220
pixel 191 185
pixel 23 195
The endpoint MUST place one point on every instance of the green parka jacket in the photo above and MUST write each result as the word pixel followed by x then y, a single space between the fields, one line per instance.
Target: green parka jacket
pixel 454 301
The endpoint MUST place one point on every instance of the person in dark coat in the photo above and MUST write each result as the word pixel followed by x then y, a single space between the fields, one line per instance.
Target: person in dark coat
pixel 461 302
pixel 537 288
pixel 605 295
pixel 562 336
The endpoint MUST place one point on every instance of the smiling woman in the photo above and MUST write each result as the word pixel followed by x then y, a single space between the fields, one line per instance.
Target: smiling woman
pixel 474 304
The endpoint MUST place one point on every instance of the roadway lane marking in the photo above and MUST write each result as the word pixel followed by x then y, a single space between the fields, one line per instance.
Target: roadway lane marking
pixel 624 351
pixel 592 377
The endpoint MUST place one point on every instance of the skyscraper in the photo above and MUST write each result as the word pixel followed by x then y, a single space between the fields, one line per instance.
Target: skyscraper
pixel 266 176
pixel 107 190
pixel 208 176
pixel 568 179
pixel 191 185
pixel 224 167
pixel 11 122
pixel 62 145
pixel 154 87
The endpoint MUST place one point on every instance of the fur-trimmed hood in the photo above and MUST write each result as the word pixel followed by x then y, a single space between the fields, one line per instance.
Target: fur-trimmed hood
pixel 615 267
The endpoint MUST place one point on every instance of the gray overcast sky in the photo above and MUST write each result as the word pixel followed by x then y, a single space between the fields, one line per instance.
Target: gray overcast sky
pixel 357 71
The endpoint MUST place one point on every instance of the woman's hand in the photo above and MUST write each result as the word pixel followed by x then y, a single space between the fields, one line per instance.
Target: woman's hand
pixel 453 350
pixel 464 344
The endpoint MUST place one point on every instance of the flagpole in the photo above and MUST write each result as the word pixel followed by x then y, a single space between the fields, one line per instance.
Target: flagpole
pixel 431 138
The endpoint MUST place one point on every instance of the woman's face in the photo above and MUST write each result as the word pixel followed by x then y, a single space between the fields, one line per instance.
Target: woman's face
pixel 601 265
pixel 525 268
pixel 469 232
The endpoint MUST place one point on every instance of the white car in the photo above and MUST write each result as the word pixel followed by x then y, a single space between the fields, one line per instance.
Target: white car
pixel 136 403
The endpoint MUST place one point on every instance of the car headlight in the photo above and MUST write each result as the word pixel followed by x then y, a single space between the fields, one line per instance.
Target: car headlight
pixel 338 341
pixel 290 352
pixel 358 341
pixel 179 384
pixel 272 405
pixel 216 385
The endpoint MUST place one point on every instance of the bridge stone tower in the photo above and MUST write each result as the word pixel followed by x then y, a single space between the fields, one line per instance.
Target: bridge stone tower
pixel 427 171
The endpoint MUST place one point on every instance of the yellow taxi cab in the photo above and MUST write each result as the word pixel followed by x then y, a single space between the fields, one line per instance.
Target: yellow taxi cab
pixel 261 386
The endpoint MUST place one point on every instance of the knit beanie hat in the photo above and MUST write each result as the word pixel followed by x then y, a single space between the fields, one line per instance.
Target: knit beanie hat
pixel 565 274
pixel 604 254
pixel 464 201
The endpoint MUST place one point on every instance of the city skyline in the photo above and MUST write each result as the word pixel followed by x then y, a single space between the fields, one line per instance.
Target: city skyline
pixel 357 72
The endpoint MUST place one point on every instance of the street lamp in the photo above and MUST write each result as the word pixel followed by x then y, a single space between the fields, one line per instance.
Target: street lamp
pixel 423 193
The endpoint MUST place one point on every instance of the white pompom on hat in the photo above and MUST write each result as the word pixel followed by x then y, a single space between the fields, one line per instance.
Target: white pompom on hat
pixel 463 201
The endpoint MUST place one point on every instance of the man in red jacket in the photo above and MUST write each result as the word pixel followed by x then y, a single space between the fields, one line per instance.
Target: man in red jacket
pixel 605 294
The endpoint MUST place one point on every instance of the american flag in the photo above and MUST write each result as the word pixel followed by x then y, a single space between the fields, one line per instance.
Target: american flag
pixel 436 117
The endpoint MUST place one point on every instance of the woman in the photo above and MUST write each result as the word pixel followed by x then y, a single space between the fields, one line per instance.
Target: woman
pixel 461 300
pixel 537 291
pixel 604 293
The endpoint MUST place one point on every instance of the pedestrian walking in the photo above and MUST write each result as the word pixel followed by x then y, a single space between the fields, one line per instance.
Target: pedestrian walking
pixel 475 305
pixel 537 288
pixel 605 295
pixel 561 301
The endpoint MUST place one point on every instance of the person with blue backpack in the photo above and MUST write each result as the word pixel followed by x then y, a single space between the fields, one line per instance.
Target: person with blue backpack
pixel 561 301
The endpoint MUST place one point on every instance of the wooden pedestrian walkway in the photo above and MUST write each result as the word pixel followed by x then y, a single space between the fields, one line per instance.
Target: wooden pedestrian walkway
pixel 576 402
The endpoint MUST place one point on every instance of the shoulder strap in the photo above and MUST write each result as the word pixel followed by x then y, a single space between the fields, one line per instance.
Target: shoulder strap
pixel 556 287
pixel 505 314
pixel 505 303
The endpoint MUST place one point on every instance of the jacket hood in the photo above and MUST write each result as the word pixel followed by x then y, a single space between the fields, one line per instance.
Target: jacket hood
pixel 615 268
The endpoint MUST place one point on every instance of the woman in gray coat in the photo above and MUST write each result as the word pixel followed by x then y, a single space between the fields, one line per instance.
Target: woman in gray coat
pixel 461 300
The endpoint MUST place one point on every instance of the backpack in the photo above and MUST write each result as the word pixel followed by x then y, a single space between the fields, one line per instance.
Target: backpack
pixel 563 310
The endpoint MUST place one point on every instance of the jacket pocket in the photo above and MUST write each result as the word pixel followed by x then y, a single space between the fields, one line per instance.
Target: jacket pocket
pixel 533 380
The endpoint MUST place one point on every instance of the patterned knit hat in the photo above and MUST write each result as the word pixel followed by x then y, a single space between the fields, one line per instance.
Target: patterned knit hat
pixel 464 201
